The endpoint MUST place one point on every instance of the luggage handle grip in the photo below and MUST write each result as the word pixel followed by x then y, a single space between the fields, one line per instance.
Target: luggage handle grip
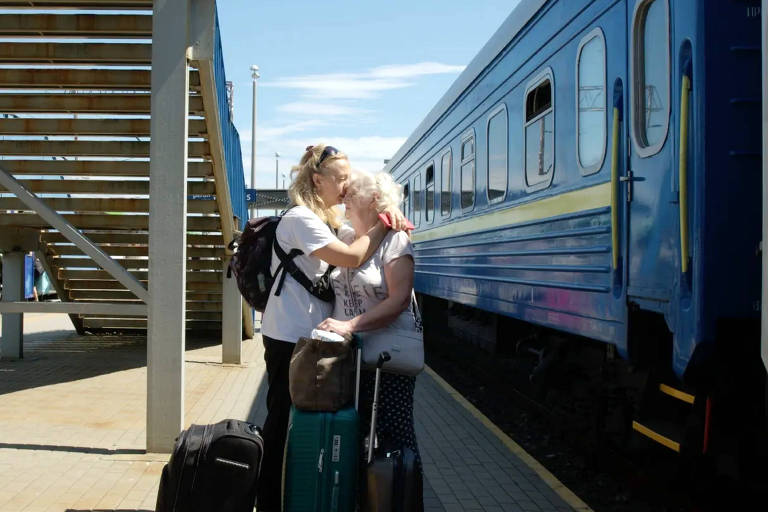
pixel 383 358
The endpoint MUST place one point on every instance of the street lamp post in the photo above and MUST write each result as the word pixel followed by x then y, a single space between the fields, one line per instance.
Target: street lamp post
pixel 255 76
pixel 277 155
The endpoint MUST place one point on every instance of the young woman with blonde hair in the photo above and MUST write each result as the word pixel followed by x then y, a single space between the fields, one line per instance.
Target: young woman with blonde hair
pixel 318 184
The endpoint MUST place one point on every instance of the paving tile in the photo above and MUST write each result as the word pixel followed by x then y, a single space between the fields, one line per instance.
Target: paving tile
pixel 83 449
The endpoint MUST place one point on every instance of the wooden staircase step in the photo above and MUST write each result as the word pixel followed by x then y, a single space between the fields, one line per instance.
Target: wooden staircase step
pixel 101 148
pixel 141 238
pixel 132 168
pixel 132 263
pixel 99 205
pixel 95 275
pixel 84 79
pixel 201 252
pixel 89 127
pixel 76 25
pixel 112 295
pixel 90 285
pixel 79 4
pixel 140 323
pixel 97 221
pixel 117 54
pixel 112 187
pixel 116 103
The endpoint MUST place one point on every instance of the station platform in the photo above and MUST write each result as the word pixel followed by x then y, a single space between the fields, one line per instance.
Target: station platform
pixel 72 428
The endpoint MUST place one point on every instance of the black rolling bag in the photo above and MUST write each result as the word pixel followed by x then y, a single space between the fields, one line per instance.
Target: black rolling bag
pixel 212 468
pixel 393 482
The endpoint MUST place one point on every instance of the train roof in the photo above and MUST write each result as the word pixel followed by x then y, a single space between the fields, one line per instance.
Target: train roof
pixel 517 19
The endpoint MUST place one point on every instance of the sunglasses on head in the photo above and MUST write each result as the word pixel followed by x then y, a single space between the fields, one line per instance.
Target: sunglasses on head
pixel 328 151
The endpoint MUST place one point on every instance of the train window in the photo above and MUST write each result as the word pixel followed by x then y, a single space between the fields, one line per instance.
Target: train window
pixel 539 131
pixel 417 200
pixel 468 171
pixel 406 201
pixel 497 154
pixel 590 118
pixel 429 194
pixel 650 80
pixel 445 184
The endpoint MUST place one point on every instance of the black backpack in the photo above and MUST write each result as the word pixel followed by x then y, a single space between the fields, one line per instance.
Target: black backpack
pixel 213 467
pixel 252 260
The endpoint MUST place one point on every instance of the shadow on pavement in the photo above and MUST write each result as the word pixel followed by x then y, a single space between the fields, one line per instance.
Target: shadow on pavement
pixel 109 510
pixel 59 356
pixel 76 449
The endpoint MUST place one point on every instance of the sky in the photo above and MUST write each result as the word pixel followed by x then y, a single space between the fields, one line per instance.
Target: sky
pixel 357 74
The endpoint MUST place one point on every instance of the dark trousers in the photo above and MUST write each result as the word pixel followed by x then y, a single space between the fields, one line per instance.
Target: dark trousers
pixel 277 355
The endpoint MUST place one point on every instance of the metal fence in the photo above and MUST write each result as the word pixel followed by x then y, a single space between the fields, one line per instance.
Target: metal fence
pixel 231 139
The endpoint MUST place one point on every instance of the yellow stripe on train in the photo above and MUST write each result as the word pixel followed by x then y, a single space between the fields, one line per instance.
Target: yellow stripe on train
pixel 588 198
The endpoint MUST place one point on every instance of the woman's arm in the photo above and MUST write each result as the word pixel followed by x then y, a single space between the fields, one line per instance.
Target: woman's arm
pixel 398 275
pixel 355 254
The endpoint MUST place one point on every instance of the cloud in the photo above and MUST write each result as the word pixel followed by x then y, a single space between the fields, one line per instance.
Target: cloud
pixel 339 86
pixel 320 109
pixel 413 70
pixel 362 85
pixel 268 132
pixel 366 153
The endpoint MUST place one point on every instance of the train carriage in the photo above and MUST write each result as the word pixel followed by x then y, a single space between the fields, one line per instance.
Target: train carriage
pixel 596 170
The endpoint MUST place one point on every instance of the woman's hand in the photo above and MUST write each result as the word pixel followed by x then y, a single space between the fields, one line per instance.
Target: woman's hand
pixel 343 327
pixel 398 220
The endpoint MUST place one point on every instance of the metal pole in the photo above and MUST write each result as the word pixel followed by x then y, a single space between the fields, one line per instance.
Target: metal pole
pixel 277 155
pixel 255 75
pixel 764 243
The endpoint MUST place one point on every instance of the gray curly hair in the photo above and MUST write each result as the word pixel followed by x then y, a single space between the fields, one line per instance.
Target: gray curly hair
pixel 387 194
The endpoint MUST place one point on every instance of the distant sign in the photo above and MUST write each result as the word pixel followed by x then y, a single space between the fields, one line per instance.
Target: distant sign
pixel 266 198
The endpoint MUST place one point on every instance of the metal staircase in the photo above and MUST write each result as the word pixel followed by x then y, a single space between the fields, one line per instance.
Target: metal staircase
pixel 75 126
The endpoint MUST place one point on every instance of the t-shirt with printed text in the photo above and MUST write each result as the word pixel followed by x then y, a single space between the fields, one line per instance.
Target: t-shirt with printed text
pixel 360 289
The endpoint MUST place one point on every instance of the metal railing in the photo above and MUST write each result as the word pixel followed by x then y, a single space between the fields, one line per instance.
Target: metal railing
pixel 231 139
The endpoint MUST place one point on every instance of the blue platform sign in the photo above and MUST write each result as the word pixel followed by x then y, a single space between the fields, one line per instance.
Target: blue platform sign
pixel 29 276
pixel 250 195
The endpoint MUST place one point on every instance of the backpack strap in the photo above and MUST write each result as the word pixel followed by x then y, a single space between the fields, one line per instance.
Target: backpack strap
pixel 287 264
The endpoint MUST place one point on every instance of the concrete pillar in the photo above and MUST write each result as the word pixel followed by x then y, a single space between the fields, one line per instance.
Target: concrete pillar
pixel 167 224
pixel 11 346
pixel 231 321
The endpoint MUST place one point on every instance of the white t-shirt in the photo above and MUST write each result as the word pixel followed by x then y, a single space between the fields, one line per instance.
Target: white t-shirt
pixel 360 289
pixel 295 312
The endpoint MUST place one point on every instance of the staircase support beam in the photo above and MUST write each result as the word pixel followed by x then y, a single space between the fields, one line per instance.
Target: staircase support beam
pixel 73 235
pixel 231 321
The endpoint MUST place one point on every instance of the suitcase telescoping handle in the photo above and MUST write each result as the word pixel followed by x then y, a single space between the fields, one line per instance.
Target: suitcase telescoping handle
pixel 359 344
pixel 383 358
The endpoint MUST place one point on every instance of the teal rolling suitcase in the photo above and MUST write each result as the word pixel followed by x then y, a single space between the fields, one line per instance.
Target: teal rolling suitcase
pixel 321 461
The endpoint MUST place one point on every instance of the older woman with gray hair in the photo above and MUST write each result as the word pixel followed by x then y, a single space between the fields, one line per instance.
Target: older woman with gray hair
pixel 378 295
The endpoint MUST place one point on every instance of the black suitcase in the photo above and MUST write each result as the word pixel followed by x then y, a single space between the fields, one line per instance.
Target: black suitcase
pixel 212 468
pixel 393 482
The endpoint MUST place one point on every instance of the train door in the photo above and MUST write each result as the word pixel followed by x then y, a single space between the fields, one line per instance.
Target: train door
pixel 648 181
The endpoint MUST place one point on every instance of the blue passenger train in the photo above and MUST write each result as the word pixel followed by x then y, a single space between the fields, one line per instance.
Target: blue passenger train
pixel 596 169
